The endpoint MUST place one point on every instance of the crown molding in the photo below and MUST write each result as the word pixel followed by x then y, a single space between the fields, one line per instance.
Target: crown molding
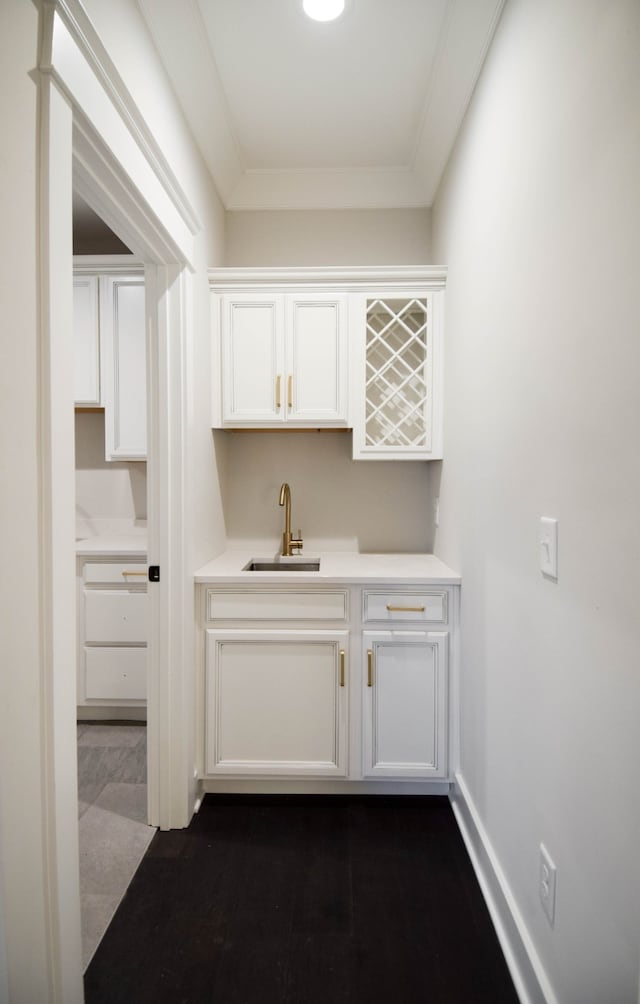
pixel 356 277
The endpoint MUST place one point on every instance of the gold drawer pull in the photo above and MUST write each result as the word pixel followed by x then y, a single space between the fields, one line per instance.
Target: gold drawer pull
pixel 290 391
pixel 412 610
pixel 370 668
pixel 342 667
pixel 278 389
pixel 136 573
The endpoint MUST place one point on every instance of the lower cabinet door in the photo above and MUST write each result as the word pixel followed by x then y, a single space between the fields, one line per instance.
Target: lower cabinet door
pixel 276 703
pixel 115 673
pixel 405 704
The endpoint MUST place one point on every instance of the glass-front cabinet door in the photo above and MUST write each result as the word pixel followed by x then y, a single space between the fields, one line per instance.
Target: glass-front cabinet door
pixel 399 395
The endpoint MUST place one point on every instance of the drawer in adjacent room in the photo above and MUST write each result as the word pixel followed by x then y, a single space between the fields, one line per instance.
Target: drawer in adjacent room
pixel 124 573
pixel 115 674
pixel 116 615
pixel 420 606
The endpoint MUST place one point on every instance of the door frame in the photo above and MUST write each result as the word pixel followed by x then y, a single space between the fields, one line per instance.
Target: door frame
pixel 93 136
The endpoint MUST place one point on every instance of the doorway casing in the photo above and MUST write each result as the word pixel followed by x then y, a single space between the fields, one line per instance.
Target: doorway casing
pixel 93 136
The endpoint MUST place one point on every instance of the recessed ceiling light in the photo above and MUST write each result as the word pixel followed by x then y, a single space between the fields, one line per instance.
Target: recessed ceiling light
pixel 323 10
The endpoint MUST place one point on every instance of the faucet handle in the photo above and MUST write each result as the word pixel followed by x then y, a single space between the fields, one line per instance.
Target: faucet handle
pixel 298 542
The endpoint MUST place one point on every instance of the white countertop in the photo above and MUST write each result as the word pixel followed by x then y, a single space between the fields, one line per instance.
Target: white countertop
pixel 335 566
pixel 130 545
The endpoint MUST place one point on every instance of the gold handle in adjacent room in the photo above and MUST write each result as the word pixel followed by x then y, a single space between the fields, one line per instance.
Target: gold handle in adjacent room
pixel 278 387
pixel 290 391
pixel 370 668
pixel 412 610
pixel 342 667
pixel 136 573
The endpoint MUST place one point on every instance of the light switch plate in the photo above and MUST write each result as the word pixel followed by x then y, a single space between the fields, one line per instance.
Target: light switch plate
pixel 548 546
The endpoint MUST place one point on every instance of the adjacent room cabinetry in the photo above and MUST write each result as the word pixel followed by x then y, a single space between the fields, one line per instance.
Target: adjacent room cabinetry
pixel 112 632
pixel 110 352
pixel 360 349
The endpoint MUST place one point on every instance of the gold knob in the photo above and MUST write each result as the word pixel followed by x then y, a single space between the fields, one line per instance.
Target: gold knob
pixel 370 668
pixel 278 387
pixel 290 391
pixel 414 610
pixel 342 667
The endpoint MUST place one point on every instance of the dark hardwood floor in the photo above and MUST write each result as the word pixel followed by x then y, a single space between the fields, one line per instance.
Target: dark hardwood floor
pixel 304 900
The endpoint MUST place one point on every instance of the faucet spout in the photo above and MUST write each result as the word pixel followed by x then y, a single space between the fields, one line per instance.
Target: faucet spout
pixel 288 540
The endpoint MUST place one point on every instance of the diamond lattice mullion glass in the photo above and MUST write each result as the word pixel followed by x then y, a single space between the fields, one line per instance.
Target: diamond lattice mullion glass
pixel 396 358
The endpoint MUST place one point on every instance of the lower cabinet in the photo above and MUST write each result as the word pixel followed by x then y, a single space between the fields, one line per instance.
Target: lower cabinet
pixel 327 682
pixel 405 683
pixel 112 633
pixel 276 702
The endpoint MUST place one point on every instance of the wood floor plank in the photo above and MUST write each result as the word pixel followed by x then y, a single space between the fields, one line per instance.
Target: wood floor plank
pixel 304 900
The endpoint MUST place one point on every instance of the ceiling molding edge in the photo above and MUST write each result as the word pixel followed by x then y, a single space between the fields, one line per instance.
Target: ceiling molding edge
pixel 468 33
pixel 208 116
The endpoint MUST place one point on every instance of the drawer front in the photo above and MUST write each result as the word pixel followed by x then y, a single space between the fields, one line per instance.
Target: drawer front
pixel 130 573
pixel 284 605
pixel 115 674
pixel 115 615
pixel 420 606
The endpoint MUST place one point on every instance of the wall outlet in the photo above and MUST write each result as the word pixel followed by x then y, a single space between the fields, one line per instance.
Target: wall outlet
pixel 547 884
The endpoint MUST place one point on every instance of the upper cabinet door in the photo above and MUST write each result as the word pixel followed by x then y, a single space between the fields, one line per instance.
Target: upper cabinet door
pixel 86 339
pixel 399 376
pixel 123 326
pixel 317 359
pixel 254 379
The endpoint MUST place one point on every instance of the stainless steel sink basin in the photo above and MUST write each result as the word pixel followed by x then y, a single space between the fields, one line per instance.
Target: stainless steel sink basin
pixel 286 565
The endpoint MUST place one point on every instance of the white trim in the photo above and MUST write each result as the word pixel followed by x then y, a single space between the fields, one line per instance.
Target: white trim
pixel 527 972
pixel 98 59
pixel 350 277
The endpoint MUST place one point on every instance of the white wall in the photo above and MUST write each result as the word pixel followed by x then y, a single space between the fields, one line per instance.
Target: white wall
pixel 105 491
pixel 538 221
pixel 373 505
pixel 338 503
pixel 329 237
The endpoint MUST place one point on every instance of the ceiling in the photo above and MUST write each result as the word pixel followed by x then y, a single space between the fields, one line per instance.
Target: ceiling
pixel 359 113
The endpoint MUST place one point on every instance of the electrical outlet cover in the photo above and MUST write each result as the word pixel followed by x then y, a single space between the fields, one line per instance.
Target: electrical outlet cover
pixel 548 546
pixel 547 884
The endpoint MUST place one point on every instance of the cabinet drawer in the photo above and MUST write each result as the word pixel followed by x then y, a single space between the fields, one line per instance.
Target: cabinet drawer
pixel 282 605
pixel 115 615
pixel 115 674
pixel 122 572
pixel 418 606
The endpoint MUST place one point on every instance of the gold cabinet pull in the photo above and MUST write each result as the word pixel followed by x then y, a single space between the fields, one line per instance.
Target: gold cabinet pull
pixel 412 610
pixel 290 390
pixel 278 389
pixel 136 573
pixel 342 667
pixel 370 668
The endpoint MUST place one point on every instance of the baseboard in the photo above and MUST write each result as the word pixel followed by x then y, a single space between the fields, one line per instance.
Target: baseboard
pixel 306 786
pixel 527 972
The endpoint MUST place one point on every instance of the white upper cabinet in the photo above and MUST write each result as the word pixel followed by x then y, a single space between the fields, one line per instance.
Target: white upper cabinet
pixel 333 347
pixel 284 358
pixel 125 385
pixel 398 375
pixel 86 341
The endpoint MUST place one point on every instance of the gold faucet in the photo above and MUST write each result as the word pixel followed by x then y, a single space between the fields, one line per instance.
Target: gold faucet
pixel 288 541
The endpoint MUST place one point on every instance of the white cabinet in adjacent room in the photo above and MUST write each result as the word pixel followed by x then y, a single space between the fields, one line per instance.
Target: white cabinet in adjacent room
pixel 405 704
pixel 276 702
pixel 284 359
pixel 86 342
pixel 125 385
pixel 112 632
